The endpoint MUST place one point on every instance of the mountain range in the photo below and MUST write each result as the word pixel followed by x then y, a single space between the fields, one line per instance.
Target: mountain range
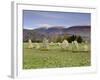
pixel 53 32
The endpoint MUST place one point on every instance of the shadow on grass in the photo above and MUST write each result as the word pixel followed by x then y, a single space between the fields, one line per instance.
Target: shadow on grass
pixel 80 51
pixel 62 50
pixel 75 51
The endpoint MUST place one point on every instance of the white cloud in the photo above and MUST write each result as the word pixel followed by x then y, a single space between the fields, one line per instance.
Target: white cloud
pixel 29 28
pixel 45 25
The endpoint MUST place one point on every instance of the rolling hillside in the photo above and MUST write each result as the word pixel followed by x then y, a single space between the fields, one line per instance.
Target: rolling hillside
pixel 55 31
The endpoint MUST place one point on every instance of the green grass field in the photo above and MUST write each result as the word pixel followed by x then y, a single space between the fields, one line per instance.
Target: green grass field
pixel 55 57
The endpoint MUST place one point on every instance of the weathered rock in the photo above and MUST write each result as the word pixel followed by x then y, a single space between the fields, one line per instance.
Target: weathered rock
pixel 64 44
pixel 30 45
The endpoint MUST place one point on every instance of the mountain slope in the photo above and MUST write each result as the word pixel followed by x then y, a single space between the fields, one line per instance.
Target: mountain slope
pixel 53 32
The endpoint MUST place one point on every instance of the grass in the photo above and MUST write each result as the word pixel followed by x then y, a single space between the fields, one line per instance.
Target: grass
pixel 55 57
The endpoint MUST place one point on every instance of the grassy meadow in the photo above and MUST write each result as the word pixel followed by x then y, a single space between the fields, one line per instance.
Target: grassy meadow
pixel 55 57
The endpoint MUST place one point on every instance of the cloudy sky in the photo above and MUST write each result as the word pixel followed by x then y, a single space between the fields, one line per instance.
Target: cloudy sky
pixel 35 19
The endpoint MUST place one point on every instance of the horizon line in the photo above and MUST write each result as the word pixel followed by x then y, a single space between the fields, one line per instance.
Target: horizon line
pixel 54 26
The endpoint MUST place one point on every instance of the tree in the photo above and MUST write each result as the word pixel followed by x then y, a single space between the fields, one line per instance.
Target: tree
pixel 79 39
pixel 75 38
pixel 71 38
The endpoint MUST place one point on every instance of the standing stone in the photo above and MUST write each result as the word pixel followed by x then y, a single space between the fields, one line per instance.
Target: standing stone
pixel 64 44
pixel 85 47
pixel 45 43
pixel 51 43
pixel 30 45
pixel 76 45
pixel 36 45
pixel 59 44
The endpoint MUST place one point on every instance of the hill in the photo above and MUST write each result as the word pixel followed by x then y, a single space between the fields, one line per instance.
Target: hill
pixel 54 32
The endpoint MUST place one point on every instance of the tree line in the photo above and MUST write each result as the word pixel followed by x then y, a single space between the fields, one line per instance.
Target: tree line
pixel 71 38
